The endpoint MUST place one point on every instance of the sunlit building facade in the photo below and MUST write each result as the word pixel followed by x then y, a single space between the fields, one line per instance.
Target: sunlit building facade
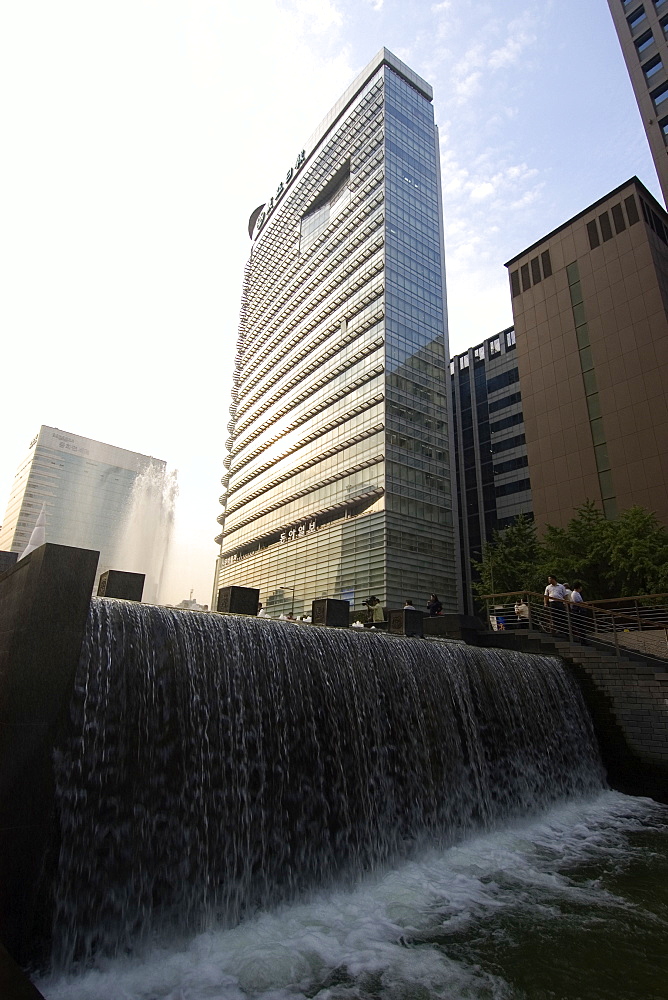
pixel 338 466
pixel 590 305
pixel 85 488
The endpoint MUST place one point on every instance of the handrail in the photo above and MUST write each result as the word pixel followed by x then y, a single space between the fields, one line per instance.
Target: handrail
pixel 608 600
pixel 636 630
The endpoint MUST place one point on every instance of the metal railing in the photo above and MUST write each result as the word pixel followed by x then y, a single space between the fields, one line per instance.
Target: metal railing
pixel 636 624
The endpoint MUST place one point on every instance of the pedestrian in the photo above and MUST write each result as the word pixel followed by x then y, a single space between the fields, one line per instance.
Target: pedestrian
pixel 408 604
pixel 579 613
pixel 555 595
pixel 434 606
pixel 522 613
pixel 375 609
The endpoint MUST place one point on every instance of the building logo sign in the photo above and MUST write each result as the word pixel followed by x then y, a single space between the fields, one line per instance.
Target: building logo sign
pixel 298 532
pixel 275 198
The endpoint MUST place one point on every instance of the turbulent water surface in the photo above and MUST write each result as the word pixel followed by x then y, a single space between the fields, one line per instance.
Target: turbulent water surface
pixel 568 905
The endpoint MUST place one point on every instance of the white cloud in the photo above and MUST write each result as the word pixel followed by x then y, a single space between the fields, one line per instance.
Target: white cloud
pixel 480 191
pixel 469 85
pixel 509 53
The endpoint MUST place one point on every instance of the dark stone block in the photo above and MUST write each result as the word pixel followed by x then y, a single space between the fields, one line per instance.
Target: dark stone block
pixel 14 984
pixel 44 603
pixel 405 622
pixel 124 586
pixel 454 626
pixel 7 560
pixel 327 611
pixel 238 600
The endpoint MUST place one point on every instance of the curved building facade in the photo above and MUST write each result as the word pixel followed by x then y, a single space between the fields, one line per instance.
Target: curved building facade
pixel 337 478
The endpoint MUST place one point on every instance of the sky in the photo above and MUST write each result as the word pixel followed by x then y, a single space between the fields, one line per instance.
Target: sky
pixel 138 136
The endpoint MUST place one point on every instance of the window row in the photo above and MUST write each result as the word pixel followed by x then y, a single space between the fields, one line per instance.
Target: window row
pixel 654 222
pixel 511 465
pixel 508 489
pixel 532 273
pixel 601 228
pixel 505 422
pixel 501 404
pixel 504 379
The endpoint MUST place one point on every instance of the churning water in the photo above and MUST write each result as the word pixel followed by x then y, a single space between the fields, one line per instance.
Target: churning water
pixel 261 809
pixel 569 905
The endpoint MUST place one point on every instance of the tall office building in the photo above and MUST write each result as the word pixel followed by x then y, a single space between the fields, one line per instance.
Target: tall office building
pixel 643 35
pixel 493 485
pixel 338 481
pixel 590 304
pixel 85 487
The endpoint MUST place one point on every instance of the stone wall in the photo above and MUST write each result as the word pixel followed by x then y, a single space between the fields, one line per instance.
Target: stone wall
pixel 44 601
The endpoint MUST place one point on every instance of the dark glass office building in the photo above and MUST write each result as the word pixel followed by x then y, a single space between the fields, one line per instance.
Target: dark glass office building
pixel 493 485
pixel 338 466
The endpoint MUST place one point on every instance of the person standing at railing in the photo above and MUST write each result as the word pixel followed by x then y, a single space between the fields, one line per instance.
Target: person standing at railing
pixel 555 595
pixel 578 613
pixel 522 613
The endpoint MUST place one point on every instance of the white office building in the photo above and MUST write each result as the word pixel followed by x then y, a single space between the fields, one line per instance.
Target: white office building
pixel 85 487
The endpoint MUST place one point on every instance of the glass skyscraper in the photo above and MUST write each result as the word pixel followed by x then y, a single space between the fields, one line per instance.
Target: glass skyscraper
pixel 338 479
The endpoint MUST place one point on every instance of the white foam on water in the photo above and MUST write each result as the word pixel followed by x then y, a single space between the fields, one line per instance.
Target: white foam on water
pixel 372 939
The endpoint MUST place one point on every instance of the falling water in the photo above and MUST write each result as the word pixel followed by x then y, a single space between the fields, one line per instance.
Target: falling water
pixel 218 765
pixel 146 534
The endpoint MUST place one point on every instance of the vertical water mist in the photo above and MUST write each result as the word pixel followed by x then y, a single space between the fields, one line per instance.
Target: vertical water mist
pixel 217 764
pixel 146 535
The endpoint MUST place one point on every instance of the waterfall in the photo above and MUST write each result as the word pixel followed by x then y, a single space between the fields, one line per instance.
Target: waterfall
pixel 216 765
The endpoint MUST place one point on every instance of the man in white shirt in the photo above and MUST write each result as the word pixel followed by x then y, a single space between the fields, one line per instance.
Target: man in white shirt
pixel 555 595
pixel 522 613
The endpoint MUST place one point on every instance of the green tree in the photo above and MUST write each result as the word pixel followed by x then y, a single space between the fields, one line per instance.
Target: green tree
pixel 638 554
pixel 513 560
pixel 580 552
pixel 618 558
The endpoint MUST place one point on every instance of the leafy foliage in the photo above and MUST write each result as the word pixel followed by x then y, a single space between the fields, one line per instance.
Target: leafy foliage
pixel 513 560
pixel 609 558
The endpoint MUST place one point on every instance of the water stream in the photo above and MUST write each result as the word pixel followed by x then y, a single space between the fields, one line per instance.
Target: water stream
pixel 218 766
pixel 262 810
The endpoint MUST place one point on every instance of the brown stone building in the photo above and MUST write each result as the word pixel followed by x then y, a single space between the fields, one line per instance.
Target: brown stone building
pixel 590 307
